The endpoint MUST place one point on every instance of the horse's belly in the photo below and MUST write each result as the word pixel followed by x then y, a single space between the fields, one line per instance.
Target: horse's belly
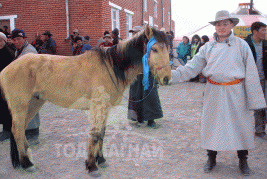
pixel 82 103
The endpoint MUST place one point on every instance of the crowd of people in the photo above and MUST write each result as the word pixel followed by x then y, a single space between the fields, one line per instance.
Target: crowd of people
pixel 235 71
pixel 186 51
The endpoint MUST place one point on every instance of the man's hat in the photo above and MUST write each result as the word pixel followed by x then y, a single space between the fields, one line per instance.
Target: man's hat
pixel 107 35
pixel 136 29
pixel 47 32
pixel 76 30
pixel 17 33
pixel 224 15
pixel 86 37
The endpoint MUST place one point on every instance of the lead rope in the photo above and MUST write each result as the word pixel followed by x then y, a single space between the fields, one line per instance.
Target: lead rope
pixel 122 93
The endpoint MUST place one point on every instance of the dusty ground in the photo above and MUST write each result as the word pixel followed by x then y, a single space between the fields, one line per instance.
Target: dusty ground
pixel 172 151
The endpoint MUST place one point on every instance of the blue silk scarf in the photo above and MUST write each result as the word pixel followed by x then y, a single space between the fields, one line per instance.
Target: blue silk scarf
pixel 145 81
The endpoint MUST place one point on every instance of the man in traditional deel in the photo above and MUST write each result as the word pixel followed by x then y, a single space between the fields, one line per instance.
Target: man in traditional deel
pixel 232 93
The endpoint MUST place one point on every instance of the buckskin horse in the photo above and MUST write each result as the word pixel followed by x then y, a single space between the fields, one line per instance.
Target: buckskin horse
pixel 94 80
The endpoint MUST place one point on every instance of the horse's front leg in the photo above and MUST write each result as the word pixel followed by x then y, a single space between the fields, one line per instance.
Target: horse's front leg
pixel 99 108
pixel 101 161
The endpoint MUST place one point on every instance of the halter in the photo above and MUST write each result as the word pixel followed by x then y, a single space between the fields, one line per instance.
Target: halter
pixel 145 58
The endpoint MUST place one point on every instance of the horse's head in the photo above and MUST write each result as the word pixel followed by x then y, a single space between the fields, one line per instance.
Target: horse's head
pixel 159 62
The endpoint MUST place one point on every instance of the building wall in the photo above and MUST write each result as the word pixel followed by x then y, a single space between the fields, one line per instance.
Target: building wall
pixel 90 17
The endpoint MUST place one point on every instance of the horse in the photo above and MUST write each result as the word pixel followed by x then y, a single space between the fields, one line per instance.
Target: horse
pixel 94 80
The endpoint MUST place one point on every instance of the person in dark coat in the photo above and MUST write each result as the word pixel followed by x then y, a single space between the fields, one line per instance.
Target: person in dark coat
pixel 6 59
pixel 49 45
pixel 144 105
pixel 258 46
pixel 115 36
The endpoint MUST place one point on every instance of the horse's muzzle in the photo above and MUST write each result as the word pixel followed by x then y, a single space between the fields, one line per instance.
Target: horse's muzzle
pixel 165 81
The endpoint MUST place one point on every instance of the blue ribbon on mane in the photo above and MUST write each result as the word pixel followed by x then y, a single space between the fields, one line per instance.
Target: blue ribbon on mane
pixel 145 81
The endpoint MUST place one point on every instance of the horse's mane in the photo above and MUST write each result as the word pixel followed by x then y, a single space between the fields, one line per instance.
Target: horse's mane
pixel 129 54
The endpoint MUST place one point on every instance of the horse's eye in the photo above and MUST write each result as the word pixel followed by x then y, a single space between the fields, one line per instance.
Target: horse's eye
pixel 154 50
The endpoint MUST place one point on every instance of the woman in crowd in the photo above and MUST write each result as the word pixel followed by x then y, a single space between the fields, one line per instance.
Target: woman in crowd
pixel 195 46
pixel 183 50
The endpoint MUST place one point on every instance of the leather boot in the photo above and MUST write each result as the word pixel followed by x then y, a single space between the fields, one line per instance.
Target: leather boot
pixel 211 161
pixel 243 164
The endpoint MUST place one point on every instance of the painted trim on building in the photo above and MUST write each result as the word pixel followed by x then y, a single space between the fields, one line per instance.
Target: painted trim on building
pixel 115 6
pixel 11 18
pixel 129 12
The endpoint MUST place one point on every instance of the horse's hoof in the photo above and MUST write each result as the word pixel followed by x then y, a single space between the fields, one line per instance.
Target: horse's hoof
pixel 30 169
pixel 101 162
pixel 15 164
pixel 95 174
pixel 103 165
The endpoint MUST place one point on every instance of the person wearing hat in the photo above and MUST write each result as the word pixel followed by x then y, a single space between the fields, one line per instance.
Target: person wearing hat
pixel 75 34
pixel 79 47
pixel 49 45
pixel 21 44
pixel 100 40
pixel 232 92
pixel 22 48
pixel 7 57
pixel 107 41
pixel 258 45
pixel 144 105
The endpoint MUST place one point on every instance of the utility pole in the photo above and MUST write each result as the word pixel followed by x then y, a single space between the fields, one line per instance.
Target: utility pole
pixel 251 5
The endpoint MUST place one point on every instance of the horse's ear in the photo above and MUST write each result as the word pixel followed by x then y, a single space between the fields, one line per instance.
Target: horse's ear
pixel 148 32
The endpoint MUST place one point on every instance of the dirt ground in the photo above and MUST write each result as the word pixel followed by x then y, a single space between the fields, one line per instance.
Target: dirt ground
pixel 171 151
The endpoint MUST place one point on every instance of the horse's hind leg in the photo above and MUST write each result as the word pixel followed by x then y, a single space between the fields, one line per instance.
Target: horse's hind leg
pixel 18 144
pixel 17 141
pixel 99 110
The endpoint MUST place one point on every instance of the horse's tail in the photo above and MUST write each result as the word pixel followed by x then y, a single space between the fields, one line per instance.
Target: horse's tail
pixel 14 153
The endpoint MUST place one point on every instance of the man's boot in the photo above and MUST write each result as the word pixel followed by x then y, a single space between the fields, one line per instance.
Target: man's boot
pixel 211 161
pixel 243 164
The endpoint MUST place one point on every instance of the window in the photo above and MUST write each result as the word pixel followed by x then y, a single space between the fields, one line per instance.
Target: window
pixel 129 20
pixel 151 24
pixel 115 15
pixel 145 23
pixel 11 18
pixel 145 5
pixel 155 9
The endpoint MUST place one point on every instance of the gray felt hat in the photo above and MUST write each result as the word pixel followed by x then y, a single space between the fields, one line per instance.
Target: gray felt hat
pixel 224 15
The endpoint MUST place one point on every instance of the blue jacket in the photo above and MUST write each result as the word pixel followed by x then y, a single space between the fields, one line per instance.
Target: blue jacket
pixel 49 47
pixel 183 50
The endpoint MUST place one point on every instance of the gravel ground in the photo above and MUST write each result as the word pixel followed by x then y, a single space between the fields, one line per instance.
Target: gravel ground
pixel 171 151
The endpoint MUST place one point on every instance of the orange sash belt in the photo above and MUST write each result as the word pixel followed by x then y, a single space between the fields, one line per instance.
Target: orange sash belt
pixel 229 83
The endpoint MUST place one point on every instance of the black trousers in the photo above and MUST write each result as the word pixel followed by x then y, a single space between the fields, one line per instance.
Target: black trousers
pixel 5 118
pixel 240 153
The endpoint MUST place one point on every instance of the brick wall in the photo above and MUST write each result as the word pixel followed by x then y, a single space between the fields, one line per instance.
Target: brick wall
pixel 90 17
